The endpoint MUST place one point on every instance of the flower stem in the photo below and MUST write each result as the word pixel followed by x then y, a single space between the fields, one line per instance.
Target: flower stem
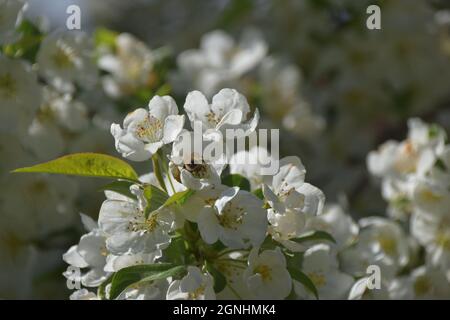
pixel 166 170
pixel 157 171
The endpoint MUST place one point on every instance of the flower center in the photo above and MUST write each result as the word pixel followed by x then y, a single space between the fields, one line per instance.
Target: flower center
pixel 197 293
pixel 103 251
pixel 150 129
pixel 148 225
pixel 422 286
pixel 407 159
pixel 429 196
pixel 318 279
pixel 230 218
pixel 443 240
pixel 8 86
pixel 64 57
pixel 264 271
pixel 388 245
pixel 212 118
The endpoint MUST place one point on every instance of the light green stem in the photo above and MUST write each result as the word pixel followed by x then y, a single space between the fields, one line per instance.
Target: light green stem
pixel 157 171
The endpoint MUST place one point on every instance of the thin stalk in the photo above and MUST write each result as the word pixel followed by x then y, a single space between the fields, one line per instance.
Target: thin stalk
pixel 157 171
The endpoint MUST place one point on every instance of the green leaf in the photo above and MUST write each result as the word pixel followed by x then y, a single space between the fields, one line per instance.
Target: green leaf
pixel 120 186
pixel 102 288
pixel 28 44
pixel 105 37
pixel 315 236
pixel 219 279
pixel 86 164
pixel 176 251
pixel 304 280
pixel 236 180
pixel 294 259
pixel 440 165
pixel 155 198
pixel 259 193
pixel 125 277
pixel 179 197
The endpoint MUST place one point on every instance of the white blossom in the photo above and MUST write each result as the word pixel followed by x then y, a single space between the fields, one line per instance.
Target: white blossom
pixel 65 60
pixel 321 266
pixel 144 132
pixel 130 66
pixel 267 276
pixel 229 110
pixel 194 286
pixel 237 219
pixel 129 230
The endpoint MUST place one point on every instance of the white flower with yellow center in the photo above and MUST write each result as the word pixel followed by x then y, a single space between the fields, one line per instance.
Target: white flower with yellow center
pixel 219 62
pixel 431 197
pixel 433 232
pixel 65 59
pixel 415 155
pixel 424 282
pixel 237 219
pixel 287 189
pixel 129 230
pixel 381 242
pixel 90 253
pixel 267 276
pixel 130 66
pixel 292 202
pixel 200 200
pixel 144 132
pixel 321 266
pixel 194 286
pixel 229 110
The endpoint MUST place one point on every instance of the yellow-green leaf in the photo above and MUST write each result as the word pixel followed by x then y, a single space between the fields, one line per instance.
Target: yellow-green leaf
pixel 86 164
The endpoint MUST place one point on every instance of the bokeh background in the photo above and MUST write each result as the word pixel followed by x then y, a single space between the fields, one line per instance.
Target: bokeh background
pixel 334 88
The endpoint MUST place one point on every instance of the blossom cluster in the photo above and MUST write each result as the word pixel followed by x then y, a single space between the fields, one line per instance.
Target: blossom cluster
pixel 197 228
pixel 224 240
pixel 415 180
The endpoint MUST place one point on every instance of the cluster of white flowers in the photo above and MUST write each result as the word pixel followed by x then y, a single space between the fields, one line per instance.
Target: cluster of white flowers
pixel 222 62
pixel 195 228
pixel 231 233
pixel 47 108
pixel 415 182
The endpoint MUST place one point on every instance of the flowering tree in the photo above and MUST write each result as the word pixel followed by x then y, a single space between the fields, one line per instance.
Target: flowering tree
pixel 180 225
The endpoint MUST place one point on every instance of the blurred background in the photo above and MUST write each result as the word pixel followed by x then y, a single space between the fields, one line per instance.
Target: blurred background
pixel 334 88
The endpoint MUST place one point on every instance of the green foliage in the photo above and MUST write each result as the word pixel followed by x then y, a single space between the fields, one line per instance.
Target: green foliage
pixel 119 186
pixel 179 198
pixel 86 164
pixel 259 193
pixel 28 44
pixel 105 38
pixel 176 251
pixel 236 180
pixel 301 277
pixel 140 274
pixel 219 279
pixel 155 198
